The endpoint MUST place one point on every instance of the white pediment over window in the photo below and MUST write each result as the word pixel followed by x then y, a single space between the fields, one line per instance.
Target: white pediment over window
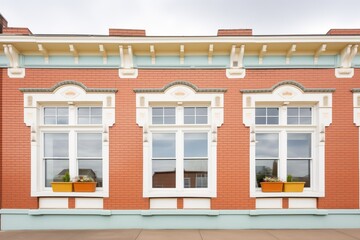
pixel 69 92
pixel 287 92
pixel 178 93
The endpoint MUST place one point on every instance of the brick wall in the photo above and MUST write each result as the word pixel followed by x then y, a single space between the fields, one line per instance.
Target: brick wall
pixel 342 156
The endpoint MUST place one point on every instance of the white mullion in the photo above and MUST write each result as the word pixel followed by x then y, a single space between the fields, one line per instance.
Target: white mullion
pixel 179 160
pixel 283 154
pixel 73 153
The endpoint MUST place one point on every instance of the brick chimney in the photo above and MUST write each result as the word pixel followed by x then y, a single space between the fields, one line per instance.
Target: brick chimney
pixel 3 23
pixel 127 32
pixel 234 32
pixel 343 32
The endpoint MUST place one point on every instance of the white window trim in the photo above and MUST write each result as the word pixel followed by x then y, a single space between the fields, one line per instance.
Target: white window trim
pixel 180 94
pixel 67 93
pixel 290 93
pixel 356 106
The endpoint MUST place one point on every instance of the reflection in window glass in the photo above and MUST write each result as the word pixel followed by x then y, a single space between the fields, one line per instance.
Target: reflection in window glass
pixel 267 145
pixel 299 115
pixel 56 115
pixel 196 160
pixel 265 168
pixel 163 160
pixel 89 145
pixel 163 115
pixel 299 145
pixel 56 157
pixel 89 115
pixel 91 168
pixel 195 115
pixel 267 116
pixel 299 170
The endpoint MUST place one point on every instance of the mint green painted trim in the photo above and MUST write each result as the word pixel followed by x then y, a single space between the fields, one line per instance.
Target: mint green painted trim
pixel 17 219
pixel 4 61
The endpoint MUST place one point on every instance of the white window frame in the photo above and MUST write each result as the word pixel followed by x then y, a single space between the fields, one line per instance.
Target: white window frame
pixel 72 94
pixel 356 106
pixel 282 95
pixel 180 94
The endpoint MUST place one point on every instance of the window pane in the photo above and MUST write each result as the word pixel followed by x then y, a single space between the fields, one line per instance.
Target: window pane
pixel 169 111
pixel 83 120
pixel 201 119
pixel 305 120
pixel 169 120
pixel 189 111
pixel 89 145
pixel 96 120
pixel 260 120
pixel 267 145
pixel 201 111
pixel 299 145
pixel 157 111
pixel 265 168
pixel 292 120
pixel 273 112
pixel 260 111
pixel 305 112
pixel 157 120
pixel 56 145
pixel 62 120
pixel 50 111
pixel 91 168
pixel 189 119
pixel 83 111
pixel 293 112
pixel 163 145
pixel 163 173
pixel 195 173
pixel 299 170
pixel 55 170
pixel 273 120
pixel 195 145
pixel 96 111
pixel 50 120
pixel 63 111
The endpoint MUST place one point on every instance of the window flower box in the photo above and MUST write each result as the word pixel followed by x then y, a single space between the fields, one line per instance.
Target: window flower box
pixel 271 184
pixel 294 186
pixel 62 186
pixel 84 184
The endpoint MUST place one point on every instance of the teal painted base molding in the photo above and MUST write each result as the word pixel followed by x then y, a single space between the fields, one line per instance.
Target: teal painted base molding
pixel 19 219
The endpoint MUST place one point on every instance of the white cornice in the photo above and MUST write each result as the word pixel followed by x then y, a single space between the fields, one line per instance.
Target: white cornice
pixel 208 40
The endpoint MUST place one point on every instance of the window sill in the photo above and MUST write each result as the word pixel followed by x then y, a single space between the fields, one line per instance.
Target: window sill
pixel 179 193
pixel 260 194
pixel 70 194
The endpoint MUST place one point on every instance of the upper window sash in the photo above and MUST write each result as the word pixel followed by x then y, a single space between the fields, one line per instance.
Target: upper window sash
pixel 291 116
pixel 89 115
pixel 195 115
pixel 163 115
pixel 56 115
pixel 267 116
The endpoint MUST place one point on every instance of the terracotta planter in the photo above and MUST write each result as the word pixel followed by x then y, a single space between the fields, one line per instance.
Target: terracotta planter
pixel 84 186
pixel 294 186
pixel 62 186
pixel 271 186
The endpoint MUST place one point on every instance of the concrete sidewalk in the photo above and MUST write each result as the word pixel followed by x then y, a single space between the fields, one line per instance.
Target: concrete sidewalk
pixel 142 234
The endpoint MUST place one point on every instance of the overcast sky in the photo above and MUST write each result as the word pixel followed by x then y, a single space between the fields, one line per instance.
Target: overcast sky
pixel 181 17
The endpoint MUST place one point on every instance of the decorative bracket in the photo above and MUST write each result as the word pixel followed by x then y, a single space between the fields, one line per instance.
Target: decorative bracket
pixel 182 54
pixel 211 51
pixel 321 49
pixel 74 53
pixel 262 53
pixel 14 71
pixel 290 53
pixel 127 69
pixel 346 58
pixel 152 54
pixel 44 52
pixel 236 62
pixel 103 52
